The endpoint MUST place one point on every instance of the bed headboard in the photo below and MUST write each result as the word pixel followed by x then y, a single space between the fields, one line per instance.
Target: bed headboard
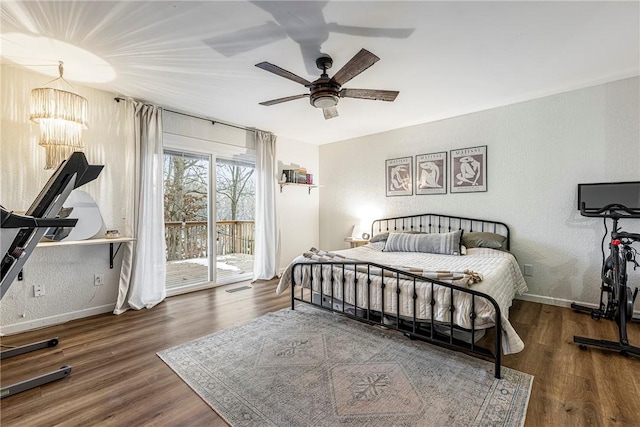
pixel 436 223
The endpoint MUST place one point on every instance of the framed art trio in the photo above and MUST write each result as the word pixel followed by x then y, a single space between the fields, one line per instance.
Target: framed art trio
pixel 466 170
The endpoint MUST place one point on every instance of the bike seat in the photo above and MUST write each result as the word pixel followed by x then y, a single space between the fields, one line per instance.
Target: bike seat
pixel 624 235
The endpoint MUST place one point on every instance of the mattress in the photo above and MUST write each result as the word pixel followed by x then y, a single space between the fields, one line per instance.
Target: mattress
pixel 501 279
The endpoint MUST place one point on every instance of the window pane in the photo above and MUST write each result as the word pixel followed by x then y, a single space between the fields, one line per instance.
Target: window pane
pixel 235 211
pixel 186 186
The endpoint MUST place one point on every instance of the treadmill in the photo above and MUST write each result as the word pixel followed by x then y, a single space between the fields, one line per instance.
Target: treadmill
pixel 19 235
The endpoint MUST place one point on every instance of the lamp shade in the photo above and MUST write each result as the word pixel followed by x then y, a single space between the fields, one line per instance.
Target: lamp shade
pixel 62 116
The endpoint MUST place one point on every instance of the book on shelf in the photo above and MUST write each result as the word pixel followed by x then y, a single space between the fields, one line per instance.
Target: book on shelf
pixel 288 175
pixel 296 176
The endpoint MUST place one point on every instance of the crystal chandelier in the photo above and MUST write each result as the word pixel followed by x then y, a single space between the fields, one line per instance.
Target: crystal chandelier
pixel 62 116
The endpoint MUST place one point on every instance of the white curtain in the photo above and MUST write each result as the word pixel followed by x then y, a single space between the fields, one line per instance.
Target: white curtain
pixel 267 253
pixel 142 278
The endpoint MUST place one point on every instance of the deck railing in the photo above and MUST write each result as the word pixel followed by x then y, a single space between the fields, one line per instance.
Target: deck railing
pixel 188 240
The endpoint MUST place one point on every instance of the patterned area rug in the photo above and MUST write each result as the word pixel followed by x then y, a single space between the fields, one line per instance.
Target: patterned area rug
pixel 313 368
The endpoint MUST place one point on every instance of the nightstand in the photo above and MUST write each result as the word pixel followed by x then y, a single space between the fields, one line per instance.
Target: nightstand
pixel 354 243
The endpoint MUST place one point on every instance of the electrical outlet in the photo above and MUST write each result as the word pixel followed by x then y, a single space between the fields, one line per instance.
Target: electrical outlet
pixel 98 279
pixel 528 270
pixel 38 290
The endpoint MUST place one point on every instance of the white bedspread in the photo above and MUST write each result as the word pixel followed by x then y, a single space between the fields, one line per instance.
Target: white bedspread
pixel 502 280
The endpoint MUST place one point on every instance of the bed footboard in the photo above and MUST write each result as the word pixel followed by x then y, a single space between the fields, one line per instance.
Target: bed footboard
pixel 413 304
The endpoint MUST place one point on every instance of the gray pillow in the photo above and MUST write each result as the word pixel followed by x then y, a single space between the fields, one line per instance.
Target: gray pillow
pixel 437 243
pixel 379 238
pixel 484 239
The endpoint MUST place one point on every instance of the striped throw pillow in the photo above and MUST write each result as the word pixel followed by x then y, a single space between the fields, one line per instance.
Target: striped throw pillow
pixel 438 243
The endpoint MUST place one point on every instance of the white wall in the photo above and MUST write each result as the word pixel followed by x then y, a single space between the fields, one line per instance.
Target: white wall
pixel 298 209
pixel 66 272
pixel 538 151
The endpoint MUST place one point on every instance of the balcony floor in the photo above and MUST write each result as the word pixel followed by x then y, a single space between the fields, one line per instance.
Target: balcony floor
pixel 193 271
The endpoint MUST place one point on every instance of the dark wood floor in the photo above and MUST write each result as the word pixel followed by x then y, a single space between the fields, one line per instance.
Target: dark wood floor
pixel 117 379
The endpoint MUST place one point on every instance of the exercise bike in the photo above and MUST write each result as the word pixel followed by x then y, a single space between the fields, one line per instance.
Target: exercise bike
pixel 616 297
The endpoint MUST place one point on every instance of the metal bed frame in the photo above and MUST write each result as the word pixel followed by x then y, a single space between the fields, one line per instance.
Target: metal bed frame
pixel 412 327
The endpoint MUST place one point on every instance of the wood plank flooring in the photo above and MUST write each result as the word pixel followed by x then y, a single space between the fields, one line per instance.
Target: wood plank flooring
pixel 117 379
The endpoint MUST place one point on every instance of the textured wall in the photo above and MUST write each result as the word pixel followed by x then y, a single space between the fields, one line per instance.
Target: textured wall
pixel 538 151
pixel 297 208
pixel 67 272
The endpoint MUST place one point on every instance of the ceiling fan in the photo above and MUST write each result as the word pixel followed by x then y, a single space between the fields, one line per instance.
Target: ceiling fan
pixel 325 92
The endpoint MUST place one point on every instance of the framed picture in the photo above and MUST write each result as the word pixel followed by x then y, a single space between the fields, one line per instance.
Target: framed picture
pixel 399 176
pixel 431 173
pixel 469 170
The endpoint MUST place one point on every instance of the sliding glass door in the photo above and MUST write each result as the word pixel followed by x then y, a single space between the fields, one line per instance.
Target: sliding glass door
pixel 235 213
pixel 186 215
pixel 209 239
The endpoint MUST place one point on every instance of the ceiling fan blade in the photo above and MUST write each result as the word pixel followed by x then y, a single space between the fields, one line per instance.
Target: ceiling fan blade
pixel 360 62
pixel 285 99
pixel 282 73
pixel 377 95
pixel 330 113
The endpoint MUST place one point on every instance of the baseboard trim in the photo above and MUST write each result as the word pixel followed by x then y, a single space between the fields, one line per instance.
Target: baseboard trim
pixel 30 325
pixel 551 300
pixel 560 302
pixel 44 322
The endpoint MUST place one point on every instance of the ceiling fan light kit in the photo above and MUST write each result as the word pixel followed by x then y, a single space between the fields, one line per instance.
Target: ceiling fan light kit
pixel 325 92
pixel 324 101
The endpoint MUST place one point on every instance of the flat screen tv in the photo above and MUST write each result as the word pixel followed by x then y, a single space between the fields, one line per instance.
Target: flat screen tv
pixel 597 196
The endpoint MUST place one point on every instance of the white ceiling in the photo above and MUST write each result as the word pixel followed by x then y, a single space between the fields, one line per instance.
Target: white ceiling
pixel 445 58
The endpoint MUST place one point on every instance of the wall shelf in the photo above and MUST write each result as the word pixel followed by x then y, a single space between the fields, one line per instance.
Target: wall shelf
pixel 309 186
pixel 101 241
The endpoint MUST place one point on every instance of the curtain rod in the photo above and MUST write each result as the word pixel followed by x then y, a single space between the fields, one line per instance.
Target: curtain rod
pixel 213 122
